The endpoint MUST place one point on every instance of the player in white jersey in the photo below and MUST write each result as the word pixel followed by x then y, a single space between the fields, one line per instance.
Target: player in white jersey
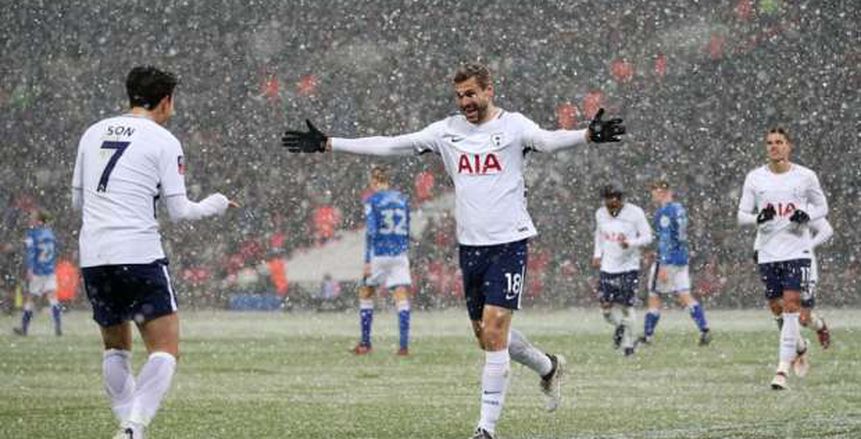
pixel 483 150
pixel 621 230
pixel 124 165
pixel 773 198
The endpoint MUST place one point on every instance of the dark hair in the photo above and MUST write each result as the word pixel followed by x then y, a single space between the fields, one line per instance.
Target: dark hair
pixel 780 130
pixel 612 189
pixel 147 86
pixel 473 70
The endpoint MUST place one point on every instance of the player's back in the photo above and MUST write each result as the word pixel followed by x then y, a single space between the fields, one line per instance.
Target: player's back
pixel 124 164
pixel 388 223
pixel 41 245
pixel 671 227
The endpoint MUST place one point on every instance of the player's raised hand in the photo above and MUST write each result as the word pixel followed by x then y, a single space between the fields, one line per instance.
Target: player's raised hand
pixel 766 214
pixel 601 131
pixel 312 140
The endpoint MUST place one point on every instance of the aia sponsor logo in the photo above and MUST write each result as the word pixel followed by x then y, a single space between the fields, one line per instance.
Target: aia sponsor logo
pixel 614 237
pixel 479 164
pixel 783 210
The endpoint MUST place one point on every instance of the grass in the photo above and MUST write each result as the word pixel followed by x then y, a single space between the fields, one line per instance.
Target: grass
pixel 250 375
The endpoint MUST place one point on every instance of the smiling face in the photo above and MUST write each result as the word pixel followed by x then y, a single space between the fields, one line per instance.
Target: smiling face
pixel 474 100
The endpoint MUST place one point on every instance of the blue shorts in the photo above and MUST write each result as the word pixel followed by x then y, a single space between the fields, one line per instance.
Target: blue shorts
pixel 119 293
pixel 784 275
pixel 619 288
pixel 493 275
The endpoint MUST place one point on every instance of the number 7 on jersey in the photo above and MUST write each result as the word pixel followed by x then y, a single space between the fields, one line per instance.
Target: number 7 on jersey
pixel 119 148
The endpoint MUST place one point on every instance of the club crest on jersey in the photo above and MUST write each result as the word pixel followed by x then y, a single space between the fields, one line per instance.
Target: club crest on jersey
pixel 180 164
pixel 479 164
pixel 496 138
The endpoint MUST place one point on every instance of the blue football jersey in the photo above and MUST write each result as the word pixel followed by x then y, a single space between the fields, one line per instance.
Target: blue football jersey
pixel 671 225
pixel 387 217
pixel 41 250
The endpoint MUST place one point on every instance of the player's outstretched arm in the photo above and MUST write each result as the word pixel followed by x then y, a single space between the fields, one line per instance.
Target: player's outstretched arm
pixel 599 131
pixel 312 140
pixel 181 208
pixel 315 140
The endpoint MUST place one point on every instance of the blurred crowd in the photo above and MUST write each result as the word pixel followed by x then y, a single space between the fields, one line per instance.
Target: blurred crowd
pixel 698 84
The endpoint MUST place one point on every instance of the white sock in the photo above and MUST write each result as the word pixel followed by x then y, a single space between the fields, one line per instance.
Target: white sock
pixel 119 381
pixel 627 322
pixel 494 383
pixel 789 337
pixel 524 353
pixel 152 384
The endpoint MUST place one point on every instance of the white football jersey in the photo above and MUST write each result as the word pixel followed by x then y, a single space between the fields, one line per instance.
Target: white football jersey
pixel 631 225
pixel 124 164
pixel 485 162
pixel 781 239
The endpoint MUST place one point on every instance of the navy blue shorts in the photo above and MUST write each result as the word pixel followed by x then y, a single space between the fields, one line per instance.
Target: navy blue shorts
pixel 119 293
pixel 784 275
pixel 619 288
pixel 493 275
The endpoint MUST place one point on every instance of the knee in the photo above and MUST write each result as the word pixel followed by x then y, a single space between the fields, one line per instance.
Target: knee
pixel 493 338
pixel 402 298
pixel 776 307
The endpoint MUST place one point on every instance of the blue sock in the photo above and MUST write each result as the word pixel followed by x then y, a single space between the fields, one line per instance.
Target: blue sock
pixel 404 327
pixel 56 312
pixel 25 319
pixel 699 316
pixel 366 318
pixel 651 322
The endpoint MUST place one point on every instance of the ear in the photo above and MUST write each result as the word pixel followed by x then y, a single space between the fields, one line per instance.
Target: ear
pixel 489 90
pixel 165 103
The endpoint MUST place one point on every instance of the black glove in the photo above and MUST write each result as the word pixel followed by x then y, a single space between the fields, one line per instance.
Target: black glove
pixel 766 214
pixel 299 141
pixel 756 256
pixel 800 217
pixel 601 131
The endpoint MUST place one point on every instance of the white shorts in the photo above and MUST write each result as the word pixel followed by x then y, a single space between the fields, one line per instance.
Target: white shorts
pixel 40 285
pixel 391 271
pixel 679 280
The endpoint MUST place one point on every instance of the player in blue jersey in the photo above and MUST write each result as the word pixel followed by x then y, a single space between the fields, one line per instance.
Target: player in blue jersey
pixel 669 273
pixel 41 247
pixel 387 242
